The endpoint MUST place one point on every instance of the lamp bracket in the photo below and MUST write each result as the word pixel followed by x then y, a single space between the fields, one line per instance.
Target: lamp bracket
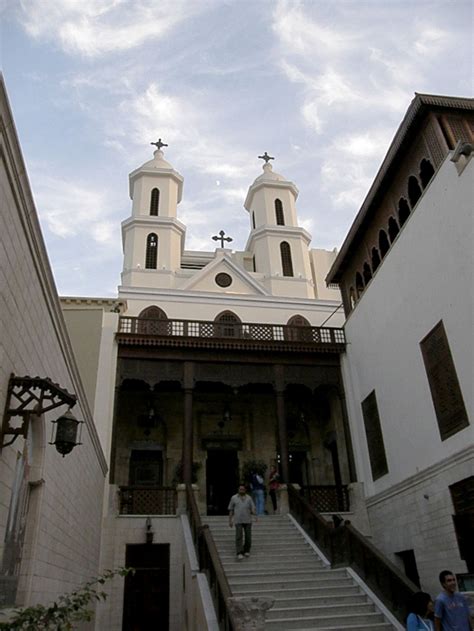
pixel 30 395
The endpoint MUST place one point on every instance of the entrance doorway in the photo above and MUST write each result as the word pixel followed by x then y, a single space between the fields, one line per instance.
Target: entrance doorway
pixel 298 467
pixel 147 591
pixel 222 470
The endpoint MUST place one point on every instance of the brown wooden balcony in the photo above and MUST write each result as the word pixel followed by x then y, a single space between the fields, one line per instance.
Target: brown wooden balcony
pixel 144 500
pixel 238 335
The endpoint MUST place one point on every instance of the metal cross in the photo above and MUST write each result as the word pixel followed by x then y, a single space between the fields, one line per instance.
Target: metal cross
pixel 221 238
pixel 159 144
pixel 266 157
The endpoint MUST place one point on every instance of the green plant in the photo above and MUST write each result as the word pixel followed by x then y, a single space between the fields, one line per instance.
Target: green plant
pixel 252 466
pixel 67 609
pixel 178 473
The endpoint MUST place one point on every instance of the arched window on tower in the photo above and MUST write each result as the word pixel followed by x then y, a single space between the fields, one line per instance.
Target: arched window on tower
pixel 352 297
pixel 151 257
pixel 375 259
pixel 286 262
pixel 367 272
pixel 227 325
pixel 426 172
pixel 393 228
pixel 359 285
pixel 414 190
pixel 403 211
pixel 253 220
pixel 280 219
pixel 384 244
pixel 154 201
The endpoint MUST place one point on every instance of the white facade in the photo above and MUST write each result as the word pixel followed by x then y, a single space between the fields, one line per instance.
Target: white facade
pixel 427 276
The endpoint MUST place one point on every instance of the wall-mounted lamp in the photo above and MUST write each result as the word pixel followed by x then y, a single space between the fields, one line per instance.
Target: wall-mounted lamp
pixel 149 532
pixel 33 396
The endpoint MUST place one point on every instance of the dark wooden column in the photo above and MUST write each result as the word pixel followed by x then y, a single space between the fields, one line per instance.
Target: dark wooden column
pixel 282 433
pixel 347 433
pixel 188 382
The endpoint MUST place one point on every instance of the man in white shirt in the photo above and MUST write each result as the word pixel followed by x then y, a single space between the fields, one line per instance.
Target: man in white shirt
pixel 241 508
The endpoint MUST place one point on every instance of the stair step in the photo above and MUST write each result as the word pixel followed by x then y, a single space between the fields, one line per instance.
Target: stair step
pixel 290 581
pixel 300 601
pixel 322 610
pixel 382 626
pixel 291 593
pixel 347 621
pixel 244 570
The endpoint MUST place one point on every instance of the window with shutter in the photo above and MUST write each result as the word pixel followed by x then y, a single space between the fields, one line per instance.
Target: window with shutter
pixel 373 432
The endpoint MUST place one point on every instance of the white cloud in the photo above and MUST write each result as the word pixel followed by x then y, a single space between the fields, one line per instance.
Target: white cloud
pixel 97 27
pixel 431 41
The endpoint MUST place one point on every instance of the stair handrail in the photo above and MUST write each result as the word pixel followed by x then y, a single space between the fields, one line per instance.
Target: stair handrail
pixel 346 546
pixel 210 563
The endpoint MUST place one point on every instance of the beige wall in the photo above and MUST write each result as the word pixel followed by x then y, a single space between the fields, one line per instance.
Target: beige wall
pixel 62 534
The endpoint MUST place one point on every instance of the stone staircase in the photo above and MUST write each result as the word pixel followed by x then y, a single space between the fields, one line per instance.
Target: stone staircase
pixel 285 566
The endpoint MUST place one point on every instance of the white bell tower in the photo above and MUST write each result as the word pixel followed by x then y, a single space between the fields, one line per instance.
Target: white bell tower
pixel 279 246
pixel 153 238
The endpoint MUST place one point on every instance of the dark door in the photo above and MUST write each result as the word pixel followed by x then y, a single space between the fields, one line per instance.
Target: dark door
pixel 146 594
pixel 146 468
pixel 297 468
pixel 222 468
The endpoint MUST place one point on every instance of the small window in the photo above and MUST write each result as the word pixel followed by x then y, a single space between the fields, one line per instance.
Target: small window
pixel 384 245
pixel 426 172
pixel 375 259
pixel 151 251
pixel 352 297
pixel 403 211
pixel 367 272
pixel 154 201
pixel 393 229
pixel 414 190
pixel 227 325
pixel 253 220
pixel 223 279
pixel 359 285
pixel 443 381
pixel 286 262
pixel 299 329
pixel 373 432
pixel 153 321
pixel 279 213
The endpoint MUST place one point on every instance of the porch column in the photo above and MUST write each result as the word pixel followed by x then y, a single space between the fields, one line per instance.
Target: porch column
pixel 188 382
pixel 282 433
pixel 347 433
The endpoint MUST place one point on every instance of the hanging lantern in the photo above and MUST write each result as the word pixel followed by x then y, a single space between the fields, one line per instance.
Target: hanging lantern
pixel 67 428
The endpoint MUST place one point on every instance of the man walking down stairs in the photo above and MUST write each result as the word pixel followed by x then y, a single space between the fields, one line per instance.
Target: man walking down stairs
pixel 285 566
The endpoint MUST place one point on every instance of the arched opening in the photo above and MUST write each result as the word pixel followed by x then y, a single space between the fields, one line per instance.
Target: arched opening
pixel 151 257
pixel 227 325
pixel 367 273
pixel 426 172
pixel 359 285
pixel 253 220
pixel 286 262
pixel 414 190
pixel 375 259
pixel 153 321
pixel 384 244
pixel 352 297
pixel 403 211
pixel 300 329
pixel 154 201
pixel 280 219
pixel 393 229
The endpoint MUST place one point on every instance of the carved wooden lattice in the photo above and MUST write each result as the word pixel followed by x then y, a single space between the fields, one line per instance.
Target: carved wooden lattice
pixel 147 501
pixel 328 498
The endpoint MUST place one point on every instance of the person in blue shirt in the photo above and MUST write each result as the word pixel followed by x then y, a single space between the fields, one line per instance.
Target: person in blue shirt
pixel 451 607
pixel 421 608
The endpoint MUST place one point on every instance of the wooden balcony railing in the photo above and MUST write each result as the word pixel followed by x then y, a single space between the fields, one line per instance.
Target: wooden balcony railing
pixel 210 563
pixel 209 333
pixel 327 498
pixel 346 547
pixel 143 500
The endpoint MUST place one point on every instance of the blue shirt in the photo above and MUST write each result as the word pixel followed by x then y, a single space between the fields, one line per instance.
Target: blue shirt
pixel 453 611
pixel 415 623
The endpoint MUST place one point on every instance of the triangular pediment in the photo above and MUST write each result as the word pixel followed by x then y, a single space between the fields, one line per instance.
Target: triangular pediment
pixel 241 282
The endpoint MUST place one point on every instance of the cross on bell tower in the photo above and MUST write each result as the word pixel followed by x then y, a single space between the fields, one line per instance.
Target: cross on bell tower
pixel 222 238
pixel 159 144
pixel 266 157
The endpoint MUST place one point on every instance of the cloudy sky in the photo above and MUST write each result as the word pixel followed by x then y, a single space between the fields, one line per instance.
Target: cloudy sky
pixel 322 86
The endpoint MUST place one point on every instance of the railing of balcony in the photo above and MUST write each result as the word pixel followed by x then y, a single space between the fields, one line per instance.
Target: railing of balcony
pixel 345 546
pixel 210 563
pixel 232 331
pixel 143 500
pixel 327 498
